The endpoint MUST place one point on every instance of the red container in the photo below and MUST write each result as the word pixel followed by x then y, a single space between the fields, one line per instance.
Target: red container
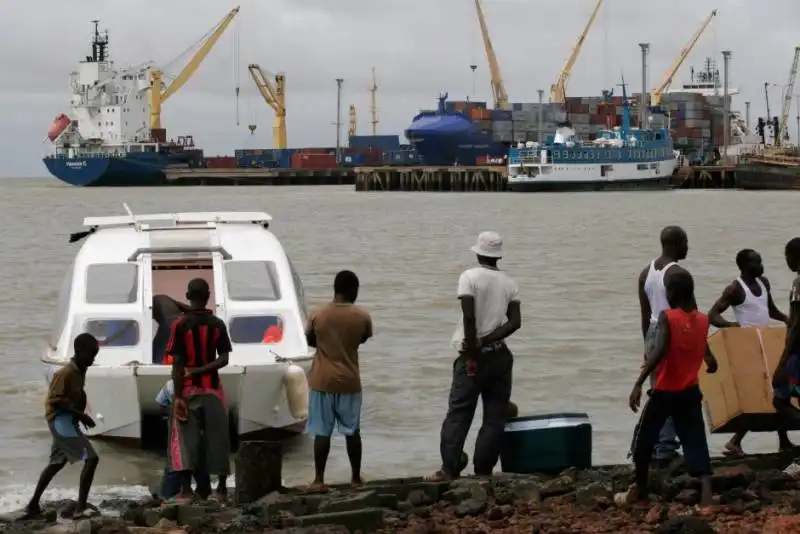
pixel 313 161
pixel 221 162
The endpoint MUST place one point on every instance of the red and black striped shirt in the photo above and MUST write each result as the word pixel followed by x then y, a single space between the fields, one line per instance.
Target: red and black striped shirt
pixel 196 340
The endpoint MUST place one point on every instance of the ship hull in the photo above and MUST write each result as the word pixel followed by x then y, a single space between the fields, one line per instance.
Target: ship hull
pixel 98 171
pixel 455 148
pixel 767 179
pixel 564 186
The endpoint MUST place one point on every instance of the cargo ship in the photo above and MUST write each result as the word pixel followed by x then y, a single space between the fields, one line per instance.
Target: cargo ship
pixel 620 158
pixel 769 171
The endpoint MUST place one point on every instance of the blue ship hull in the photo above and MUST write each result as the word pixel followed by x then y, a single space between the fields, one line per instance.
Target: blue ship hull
pixel 131 170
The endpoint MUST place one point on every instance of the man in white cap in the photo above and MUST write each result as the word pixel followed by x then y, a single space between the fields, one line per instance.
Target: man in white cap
pixel 490 313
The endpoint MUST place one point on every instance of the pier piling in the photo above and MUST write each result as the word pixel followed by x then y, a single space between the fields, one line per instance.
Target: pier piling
pixel 440 179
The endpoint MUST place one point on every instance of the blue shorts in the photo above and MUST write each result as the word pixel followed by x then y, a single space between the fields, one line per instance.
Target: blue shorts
pixel 329 410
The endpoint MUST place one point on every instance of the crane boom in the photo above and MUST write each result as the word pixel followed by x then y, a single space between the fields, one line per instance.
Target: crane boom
pixel 374 107
pixel 558 91
pixel 352 126
pixel 274 95
pixel 156 76
pixel 498 89
pixel 788 95
pixel 666 81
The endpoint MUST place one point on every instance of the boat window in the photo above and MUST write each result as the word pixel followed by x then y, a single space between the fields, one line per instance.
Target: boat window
pixel 113 332
pixel 112 283
pixel 252 280
pixel 266 329
pixel 62 307
pixel 299 290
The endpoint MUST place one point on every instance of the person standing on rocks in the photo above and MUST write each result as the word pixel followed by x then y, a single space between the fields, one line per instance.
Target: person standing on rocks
pixel 490 308
pixel 337 330
pixel 678 351
pixel 786 379
pixel 199 346
pixel 751 300
pixel 652 301
pixel 65 408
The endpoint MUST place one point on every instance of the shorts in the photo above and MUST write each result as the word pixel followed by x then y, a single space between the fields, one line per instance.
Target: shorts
pixel 329 410
pixel 69 445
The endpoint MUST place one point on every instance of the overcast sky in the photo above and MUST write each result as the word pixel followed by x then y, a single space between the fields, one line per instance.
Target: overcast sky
pixel 419 47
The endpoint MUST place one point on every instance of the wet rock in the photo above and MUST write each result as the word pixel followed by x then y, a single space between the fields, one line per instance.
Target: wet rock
pixel 557 486
pixel 258 470
pixel 736 476
pixel 419 498
pixel 688 496
pixel 686 525
pixel 655 515
pixel 589 494
pixel 477 488
pixel 365 520
pixel 353 501
pixel 775 480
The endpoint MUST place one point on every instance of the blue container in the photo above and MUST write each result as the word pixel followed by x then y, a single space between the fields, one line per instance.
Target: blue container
pixel 382 142
pixel 501 115
pixel 547 444
pixel 353 160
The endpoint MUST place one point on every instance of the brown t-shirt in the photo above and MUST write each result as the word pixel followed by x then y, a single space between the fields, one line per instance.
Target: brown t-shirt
pixel 339 329
pixel 66 385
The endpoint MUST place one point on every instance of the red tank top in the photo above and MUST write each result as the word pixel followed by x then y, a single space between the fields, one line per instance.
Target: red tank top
pixel 688 333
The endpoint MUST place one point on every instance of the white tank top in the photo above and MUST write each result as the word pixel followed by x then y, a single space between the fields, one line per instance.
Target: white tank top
pixel 655 290
pixel 754 311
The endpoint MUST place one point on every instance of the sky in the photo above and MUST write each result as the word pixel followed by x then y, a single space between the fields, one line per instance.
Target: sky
pixel 418 47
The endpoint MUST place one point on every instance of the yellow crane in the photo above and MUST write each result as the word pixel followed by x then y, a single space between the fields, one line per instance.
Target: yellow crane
pixel 558 91
pixel 788 95
pixel 274 94
pixel 498 89
pixel 374 106
pixel 351 128
pixel 157 97
pixel 666 81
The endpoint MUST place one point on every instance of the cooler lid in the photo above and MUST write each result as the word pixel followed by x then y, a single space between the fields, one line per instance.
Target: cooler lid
pixel 543 421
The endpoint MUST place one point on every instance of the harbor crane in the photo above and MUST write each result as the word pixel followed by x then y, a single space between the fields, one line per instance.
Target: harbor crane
pixel 558 91
pixel 274 94
pixel 788 95
pixel 353 125
pixel 374 107
pixel 157 97
pixel 498 88
pixel 666 81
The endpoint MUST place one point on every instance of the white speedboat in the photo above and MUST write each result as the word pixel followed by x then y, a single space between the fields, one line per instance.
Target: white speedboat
pixel 109 288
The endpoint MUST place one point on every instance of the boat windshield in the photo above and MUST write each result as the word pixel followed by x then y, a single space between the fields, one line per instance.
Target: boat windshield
pixel 252 281
pixel 112 283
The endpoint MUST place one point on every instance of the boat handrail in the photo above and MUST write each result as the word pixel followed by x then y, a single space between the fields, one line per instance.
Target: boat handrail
pixel 179 219
pixel 179 250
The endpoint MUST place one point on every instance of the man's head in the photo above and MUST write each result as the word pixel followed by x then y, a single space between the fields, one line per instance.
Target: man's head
pixel 749 263
pixel 674 243
pixel 86 349
pixel 793 254
pixel 489 247
pixel 680 289
pixel 198 293
pixel 345 286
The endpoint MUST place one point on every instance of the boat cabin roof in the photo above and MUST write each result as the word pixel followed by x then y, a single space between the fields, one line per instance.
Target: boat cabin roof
pixel 173 219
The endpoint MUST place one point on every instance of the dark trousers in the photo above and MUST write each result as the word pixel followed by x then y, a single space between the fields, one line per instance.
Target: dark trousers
pixel 492 383
pixel 685 409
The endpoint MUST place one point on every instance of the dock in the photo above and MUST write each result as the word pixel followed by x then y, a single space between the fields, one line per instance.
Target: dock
pixel 427 178
pixel 705 177
pixel 223 177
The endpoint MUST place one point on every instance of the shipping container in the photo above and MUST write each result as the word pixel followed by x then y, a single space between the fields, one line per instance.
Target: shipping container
pixel 256 162
pixel 383 142
pixel 501 115
pixel 313 161
pixel 354 160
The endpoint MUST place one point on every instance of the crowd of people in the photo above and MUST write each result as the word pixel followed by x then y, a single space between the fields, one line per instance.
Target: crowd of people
pixel 196 344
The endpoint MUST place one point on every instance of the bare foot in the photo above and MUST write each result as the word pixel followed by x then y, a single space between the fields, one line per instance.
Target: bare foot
pixel 439 476
pixel 357 482
pixel 31 512
pixel 317 487
pixel 628 498
pixel 83 513
pixel 733 450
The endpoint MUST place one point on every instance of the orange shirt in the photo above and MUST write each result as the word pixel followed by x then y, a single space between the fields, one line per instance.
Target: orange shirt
pixel 688 333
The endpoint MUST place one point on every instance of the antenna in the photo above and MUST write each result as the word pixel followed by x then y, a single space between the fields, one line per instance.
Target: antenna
pixel 127 209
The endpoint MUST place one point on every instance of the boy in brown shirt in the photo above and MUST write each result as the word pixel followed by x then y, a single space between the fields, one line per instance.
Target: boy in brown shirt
pixel 336 330
pixel 64 410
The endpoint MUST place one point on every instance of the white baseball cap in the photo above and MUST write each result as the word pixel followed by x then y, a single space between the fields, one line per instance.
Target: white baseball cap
pixel 489 245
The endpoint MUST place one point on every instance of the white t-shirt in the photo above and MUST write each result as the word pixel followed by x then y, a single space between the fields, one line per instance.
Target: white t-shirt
pixel 492 290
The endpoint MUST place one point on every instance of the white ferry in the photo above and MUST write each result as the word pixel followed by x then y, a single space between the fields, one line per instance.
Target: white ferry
pixel 109 288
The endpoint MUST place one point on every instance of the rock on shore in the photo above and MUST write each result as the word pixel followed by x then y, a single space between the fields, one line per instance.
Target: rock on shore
pixel 754 496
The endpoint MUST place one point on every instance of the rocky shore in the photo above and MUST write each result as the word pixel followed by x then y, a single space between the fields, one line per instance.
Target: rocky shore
pixel 754 495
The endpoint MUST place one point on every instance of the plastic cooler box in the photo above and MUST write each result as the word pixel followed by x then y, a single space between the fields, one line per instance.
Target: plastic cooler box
pixel 547 443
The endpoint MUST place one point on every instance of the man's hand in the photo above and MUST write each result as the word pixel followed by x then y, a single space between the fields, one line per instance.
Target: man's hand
pixel 188 373
pixel 86 421
pixel 472 367
pixel 181 411
pixel 711 366
pixel 635 398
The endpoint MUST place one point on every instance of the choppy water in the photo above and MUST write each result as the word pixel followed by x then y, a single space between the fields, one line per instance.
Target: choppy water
pixel 575 257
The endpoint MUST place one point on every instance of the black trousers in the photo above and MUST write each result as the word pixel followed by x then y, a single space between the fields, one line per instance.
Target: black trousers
pixel 492 384
pixel 686 410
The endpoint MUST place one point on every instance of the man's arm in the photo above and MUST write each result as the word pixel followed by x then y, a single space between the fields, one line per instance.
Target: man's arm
pixel 514 323
pixel 223 347
pixel 644 303
pixel 658 350
pixel 774 312
pixel 731 296
pixel 466 294
pixel 792 331
pixel 367 330
pixel 311 336
pixel 710 359
pixel 176 348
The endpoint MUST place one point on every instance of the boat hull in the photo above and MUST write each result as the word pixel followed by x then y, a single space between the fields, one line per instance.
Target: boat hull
pixel 767 179
pixel 121 398
pixel 100 171
pixel 564 186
